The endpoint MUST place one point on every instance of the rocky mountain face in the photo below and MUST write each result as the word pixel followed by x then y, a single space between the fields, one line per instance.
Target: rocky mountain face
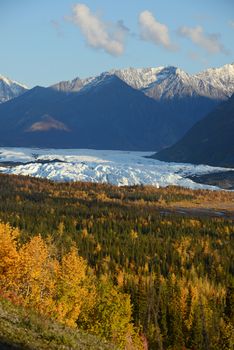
pixel 159 83
pixel 165 82
pixel 10 89
pixel 221 78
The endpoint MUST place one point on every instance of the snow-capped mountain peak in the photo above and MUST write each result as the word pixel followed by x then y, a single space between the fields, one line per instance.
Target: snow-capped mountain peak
pixel 10 89
pixel 168 82
pixel 164 82
pixel 222 78
pixel 173 82
pixel 82 85
pixel 10 82
pixel 138 78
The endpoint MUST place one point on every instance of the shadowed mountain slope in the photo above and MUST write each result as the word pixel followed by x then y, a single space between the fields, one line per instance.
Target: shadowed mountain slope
pixel 210 141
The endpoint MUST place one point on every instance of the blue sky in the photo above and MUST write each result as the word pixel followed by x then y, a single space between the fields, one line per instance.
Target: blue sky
pixel 46 41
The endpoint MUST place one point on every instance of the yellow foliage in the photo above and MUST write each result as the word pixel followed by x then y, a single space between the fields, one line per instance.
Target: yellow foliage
pixel 67 290
pixel 60 228
pixel 84 233
pixel 120 278
pixel 72 293
pixel 8 256
pixel 133 235
pixel 98 248
pixel 111 318
pixel 195 223
pixel 36 275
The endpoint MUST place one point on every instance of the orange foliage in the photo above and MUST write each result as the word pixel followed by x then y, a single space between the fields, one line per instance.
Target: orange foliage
pixel 36 275
pixel 72 292
pixel 34 278
pixel 9 256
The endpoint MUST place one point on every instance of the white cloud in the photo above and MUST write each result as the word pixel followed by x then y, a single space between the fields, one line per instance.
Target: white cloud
pixel 99 34
pixel 210 42
pixel 154 31
pixel 231 23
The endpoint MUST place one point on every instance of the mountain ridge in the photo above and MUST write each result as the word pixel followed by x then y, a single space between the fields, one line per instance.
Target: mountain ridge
pixel 155 81
pixel 133 109
pixel 110 115
pixel 162 82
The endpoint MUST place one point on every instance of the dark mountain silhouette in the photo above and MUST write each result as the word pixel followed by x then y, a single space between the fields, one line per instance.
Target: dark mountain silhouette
pixel 107 115
pixel 210 141
pixel 111 115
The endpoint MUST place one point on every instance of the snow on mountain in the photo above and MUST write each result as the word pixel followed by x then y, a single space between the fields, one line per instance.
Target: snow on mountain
pixel 173 82
pixel 82 85
pixel 159 82
pixel 164 82
pixel 221 78
pixel 139 78
pixel 120 168
pixel 10 89
pixel 167 82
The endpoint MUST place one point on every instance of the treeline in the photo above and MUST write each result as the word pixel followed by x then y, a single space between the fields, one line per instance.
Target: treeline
pixel 176 271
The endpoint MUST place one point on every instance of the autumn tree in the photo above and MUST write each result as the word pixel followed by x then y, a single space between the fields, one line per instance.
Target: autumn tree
pixel 111 317
pixel 37 275
pixel 9 257
pixel 73 289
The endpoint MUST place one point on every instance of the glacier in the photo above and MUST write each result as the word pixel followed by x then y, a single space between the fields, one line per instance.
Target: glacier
pixel 121 168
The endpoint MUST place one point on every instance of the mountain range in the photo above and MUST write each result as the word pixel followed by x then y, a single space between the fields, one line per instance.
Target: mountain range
pixel 165 82
pixel 111 115
pixel 128 109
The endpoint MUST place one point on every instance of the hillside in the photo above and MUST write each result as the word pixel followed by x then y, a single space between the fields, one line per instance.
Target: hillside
pixel 23 329
pixel 210 141
pixel 167 251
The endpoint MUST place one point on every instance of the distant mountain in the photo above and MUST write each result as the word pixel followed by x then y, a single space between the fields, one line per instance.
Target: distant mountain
pixel 128 109
pixel 10 89
pixel 173 82
pixel 221 78
pixel 210 141
pixel 187 98
pixel 165 82
pixel 110 115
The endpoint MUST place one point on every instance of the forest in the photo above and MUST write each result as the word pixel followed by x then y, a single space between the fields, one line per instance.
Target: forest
pixel 144 268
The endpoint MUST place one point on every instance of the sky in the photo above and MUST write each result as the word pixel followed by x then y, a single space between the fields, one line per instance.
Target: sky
pixel 43 42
